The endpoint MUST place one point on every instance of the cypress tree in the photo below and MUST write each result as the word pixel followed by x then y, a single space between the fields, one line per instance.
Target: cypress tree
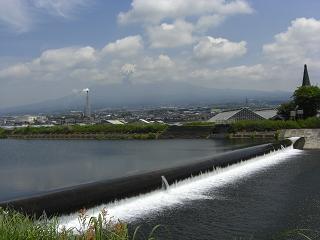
pixel 306 80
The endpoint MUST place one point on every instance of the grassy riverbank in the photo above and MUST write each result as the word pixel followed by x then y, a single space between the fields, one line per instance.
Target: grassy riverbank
pixel 200 130
pixel 193 130
pixel 98 131
pixel 14 225
pixel 97 128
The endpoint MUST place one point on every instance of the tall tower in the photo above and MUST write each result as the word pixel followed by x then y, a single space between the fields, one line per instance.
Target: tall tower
pixel 306 80
pixel 87 111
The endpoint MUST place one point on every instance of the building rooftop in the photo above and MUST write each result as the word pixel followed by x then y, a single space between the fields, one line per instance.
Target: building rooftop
pixel 267 113
pixel 223 116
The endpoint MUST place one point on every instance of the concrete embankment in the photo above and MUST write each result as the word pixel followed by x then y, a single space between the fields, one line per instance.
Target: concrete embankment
pixel 312 136
pixel 265 134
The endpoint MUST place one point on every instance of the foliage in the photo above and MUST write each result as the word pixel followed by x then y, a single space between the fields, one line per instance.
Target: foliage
pixel 272 125
pixel 14 225
pixel 97 128
pixel 3 133
pixel 285 109
pixel 206 124
pixel 308 99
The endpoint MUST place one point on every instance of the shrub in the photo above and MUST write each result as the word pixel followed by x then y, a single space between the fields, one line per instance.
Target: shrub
pixel 209 124
pixel 98 128
pixel 17 226
pixel 272 125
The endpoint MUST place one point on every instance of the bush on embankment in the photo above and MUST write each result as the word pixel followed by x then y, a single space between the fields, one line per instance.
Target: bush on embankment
pixel 273 125
pixel 187 132
pixel 201 124
pixel 97 128
pixel 3 133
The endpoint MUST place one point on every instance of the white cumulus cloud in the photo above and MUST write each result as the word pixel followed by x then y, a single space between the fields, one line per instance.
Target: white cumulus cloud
pixel 218 49
pixel 64 58
pixel 125 47
pixel 299 43
pixel 155 11
pixel 15 71
pixel 208 21
pixel 171 35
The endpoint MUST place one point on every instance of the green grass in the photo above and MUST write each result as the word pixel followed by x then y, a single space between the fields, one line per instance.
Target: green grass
pixel 16 226
pixel 272 125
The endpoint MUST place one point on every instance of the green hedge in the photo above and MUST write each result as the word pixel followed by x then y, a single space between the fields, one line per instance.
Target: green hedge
pixel 205 124
pixel 98 128
pixel 3 133
pixel 272 125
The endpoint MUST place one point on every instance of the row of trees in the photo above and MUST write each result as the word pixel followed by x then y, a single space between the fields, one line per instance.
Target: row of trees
pixel 306 98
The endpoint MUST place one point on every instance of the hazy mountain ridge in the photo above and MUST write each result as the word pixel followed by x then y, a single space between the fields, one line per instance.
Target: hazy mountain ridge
pixel 148 95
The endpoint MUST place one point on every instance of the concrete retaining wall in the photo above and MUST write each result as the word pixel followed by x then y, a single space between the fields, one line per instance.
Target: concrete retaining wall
pixel 312 136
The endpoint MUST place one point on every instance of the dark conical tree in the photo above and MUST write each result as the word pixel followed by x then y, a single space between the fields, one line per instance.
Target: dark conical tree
pixel 306 80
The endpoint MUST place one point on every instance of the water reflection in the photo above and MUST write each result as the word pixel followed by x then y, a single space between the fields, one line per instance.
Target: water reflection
pixel 33 166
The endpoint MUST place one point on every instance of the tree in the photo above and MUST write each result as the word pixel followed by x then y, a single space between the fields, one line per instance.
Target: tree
pixel 307 98
pixel 285 109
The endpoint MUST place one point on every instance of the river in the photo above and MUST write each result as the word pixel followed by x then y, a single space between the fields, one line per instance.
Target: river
pixel 263 204
pixel 34 166
pixel 257 199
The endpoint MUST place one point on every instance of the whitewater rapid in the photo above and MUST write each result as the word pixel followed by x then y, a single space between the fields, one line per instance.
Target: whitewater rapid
pixel 191 189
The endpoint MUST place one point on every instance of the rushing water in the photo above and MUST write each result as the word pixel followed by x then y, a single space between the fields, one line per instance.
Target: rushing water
pixel 260 205
pixel 34 166
pixel 256 199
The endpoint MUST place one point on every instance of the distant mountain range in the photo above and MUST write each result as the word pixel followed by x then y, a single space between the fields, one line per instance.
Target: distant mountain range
pixel 148 95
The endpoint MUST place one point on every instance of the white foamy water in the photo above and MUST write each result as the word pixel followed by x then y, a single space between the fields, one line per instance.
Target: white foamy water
pixel 185 191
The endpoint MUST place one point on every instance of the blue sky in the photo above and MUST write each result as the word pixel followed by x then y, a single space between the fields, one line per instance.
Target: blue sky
pixel 51 48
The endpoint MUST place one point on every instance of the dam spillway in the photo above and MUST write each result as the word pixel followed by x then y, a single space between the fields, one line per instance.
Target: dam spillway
pixel 71 199
pixel 187 192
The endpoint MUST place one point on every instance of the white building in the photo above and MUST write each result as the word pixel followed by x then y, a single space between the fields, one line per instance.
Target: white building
pixel 243 114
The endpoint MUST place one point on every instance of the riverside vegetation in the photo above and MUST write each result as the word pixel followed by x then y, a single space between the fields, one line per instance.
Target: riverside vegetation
pixel 101 131
pixel 17 226
pixel 154 131
pixel 274 125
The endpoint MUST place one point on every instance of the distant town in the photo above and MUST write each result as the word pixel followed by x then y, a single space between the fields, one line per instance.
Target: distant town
pixel 224 113
pixel 167 115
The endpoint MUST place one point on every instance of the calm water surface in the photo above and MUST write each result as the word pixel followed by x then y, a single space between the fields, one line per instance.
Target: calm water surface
pixel 34 166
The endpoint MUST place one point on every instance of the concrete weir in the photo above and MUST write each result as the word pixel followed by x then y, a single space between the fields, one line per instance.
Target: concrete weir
pixel 71 199
pixel 311 136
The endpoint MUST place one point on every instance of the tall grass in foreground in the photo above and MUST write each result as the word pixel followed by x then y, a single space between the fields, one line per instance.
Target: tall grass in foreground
pixel 17 226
